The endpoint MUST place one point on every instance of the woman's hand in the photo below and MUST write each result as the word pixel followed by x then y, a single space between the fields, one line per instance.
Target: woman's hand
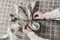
pixel 26 30
pixel 38 15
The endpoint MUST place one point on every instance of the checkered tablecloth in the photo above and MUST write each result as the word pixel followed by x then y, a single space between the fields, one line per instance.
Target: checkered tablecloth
pixel 7 7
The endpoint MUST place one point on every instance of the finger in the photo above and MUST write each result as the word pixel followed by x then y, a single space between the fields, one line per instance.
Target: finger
pixel 36 14
pixel 29 29
pixel 36 18
pixel 25 26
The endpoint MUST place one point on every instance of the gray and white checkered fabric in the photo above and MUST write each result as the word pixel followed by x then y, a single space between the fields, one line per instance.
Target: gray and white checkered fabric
pixel 7 7
pixel 50 29
pixel 48 5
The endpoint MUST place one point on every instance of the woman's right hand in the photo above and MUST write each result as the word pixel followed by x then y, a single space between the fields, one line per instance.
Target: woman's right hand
pixel 38 15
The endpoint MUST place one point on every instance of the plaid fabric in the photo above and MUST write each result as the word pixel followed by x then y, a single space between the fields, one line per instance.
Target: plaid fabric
pixel 6 7
pixel 48 5
pixel 50 29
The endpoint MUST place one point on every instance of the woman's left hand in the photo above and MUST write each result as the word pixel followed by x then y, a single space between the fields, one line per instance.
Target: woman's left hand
pixel 26 30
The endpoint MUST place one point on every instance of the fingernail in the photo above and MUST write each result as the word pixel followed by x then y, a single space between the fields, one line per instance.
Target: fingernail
pixel 36 16
pixel 26 26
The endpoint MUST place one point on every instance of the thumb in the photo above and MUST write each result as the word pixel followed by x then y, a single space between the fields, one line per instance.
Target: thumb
pixel 36 18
